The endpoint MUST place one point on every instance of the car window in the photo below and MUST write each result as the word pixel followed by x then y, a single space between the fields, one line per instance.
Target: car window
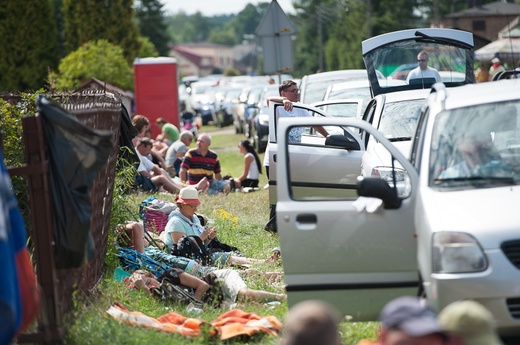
pixel 477 146
pixel 323 168
pixel 398 120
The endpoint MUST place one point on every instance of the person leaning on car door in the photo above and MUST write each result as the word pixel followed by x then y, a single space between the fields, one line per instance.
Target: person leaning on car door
pixel 289 93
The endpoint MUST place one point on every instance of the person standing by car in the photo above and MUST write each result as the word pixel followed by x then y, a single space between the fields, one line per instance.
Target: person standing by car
pixel 289 93
pixel 423 71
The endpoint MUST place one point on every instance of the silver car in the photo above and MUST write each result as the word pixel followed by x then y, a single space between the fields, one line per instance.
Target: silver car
pixel 452 234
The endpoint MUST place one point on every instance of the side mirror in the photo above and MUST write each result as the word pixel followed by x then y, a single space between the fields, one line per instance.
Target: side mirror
pixel 342 141
pixel 378 188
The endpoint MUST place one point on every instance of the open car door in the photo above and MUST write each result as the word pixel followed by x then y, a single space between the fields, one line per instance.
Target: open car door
pixel 355 253
pixel 339 157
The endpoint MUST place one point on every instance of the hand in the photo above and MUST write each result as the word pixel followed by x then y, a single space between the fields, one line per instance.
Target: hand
pixel 213 233
pixel 287 105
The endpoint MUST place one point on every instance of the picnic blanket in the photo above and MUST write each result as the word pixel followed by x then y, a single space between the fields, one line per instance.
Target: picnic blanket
pixel 230 324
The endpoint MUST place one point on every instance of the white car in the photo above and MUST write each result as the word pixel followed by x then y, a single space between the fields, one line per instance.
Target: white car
pixel 382 54
pixel 452 234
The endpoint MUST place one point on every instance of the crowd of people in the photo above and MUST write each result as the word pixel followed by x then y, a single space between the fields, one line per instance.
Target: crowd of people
pixel 168 163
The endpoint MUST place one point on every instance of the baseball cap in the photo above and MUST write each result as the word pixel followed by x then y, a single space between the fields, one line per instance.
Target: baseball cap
pixel 471 321
pixel 409 315
pixel 495 60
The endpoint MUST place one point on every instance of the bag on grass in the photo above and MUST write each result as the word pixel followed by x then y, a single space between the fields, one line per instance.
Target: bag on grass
pixel 193 248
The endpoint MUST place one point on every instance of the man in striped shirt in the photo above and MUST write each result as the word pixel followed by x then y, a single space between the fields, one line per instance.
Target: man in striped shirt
pixel 202 162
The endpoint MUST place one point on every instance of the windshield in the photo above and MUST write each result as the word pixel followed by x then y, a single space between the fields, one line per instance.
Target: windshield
pixel 399 119
pixel 476 146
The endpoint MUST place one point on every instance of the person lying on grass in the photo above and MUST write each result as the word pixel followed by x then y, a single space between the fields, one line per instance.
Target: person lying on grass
pixel 228 281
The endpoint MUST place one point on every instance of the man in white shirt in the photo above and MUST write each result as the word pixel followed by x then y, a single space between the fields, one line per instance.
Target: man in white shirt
pixel 289 93
pixel 151 176
pixel 423 71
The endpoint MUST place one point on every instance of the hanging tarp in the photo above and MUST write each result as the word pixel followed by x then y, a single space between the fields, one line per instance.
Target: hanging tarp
pixel 76 154
pixel 503 48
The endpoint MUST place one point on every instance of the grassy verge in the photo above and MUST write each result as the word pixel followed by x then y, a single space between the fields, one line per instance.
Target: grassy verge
pixel 241 218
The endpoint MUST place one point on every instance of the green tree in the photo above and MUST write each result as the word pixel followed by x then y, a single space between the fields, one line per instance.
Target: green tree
pixel 28 46
pixel 150 16
pixel 90 20
pixel 147 48
pixel 97 59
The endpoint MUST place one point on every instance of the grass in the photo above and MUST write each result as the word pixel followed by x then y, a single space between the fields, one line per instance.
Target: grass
pixel 241 218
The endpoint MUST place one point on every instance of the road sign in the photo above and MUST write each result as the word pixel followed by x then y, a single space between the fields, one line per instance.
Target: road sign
pixel 275 31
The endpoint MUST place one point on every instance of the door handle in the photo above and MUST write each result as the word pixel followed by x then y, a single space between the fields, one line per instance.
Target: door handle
pixel 306 221
pixel 274 157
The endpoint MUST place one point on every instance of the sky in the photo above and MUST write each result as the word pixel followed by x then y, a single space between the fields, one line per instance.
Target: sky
pixel 215 7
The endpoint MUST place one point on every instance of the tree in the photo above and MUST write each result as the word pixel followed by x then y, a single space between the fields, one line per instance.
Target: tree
pixel 90 20
pixel 147 48
pixel 97 59
pixel 150 16
pixel 28 46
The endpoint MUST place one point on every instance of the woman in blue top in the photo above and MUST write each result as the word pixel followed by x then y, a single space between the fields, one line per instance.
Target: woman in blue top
pixel 184 222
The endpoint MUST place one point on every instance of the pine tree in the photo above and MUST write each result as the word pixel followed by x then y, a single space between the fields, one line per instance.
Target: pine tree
pixel 28 48
pixel 152 24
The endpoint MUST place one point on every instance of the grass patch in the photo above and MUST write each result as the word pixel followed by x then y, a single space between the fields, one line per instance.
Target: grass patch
pixel 241 218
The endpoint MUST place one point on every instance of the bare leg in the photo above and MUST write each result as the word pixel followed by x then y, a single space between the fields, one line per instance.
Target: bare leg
pixel 259 296
pixel 270 276
pixel 137 234
pixel 199 285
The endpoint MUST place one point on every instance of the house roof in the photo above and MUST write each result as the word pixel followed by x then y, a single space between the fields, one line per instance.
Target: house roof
pixel 497 8
pixel 96 84
pixel 191 55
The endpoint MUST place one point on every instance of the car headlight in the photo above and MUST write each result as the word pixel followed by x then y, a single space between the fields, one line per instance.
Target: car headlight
pixel 386 174
pixel 457 252
pixel 263 120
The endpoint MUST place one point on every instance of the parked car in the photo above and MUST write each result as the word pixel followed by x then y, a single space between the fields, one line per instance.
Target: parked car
pixel 314 86
pixel 447 237
pixel 200 101
pixel 225 99
pixel 260 120
pixel 244 109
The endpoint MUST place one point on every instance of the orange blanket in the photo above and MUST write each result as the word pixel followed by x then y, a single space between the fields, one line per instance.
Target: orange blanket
pixel 231 324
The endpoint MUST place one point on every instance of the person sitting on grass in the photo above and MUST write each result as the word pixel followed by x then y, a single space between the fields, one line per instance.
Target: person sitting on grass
pixel 201 162
pixel 132 235
pixel 184 222
pixel 151 177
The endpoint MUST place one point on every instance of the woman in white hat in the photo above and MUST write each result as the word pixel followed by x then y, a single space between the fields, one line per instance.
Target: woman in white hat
pixel 184 222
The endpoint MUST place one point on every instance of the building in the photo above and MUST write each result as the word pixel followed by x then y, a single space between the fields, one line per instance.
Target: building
pixel 202 59
pixel 484 21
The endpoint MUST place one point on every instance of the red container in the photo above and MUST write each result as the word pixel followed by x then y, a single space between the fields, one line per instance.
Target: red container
pixel 156 91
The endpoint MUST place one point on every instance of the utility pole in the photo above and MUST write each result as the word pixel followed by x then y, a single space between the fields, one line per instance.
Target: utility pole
pixel 320 37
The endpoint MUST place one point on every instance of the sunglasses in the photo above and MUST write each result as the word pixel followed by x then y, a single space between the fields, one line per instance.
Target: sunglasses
pixel 421 60
pixel 294 92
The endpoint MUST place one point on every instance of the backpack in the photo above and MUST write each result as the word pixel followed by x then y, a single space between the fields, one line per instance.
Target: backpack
pixel 193 248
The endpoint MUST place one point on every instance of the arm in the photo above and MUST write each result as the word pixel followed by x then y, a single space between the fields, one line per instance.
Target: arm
pixel 183 173
pixel 159 157
pixel 321 130
pixel 287 105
